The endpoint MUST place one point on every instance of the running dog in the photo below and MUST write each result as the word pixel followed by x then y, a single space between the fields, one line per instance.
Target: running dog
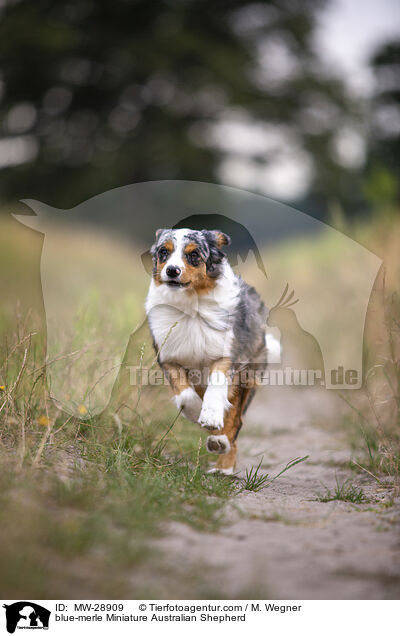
pixel 208 329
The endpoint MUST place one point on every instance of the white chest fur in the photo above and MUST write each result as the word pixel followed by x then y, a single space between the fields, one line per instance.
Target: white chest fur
pixel 193 330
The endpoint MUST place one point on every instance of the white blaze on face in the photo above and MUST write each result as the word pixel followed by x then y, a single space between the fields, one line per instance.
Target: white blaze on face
pixel 176 259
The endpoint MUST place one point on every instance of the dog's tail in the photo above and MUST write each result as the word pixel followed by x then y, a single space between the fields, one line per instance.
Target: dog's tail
pixel 273 348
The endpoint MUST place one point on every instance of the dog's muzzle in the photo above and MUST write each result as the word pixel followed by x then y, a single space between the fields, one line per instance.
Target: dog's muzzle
pixel 173 272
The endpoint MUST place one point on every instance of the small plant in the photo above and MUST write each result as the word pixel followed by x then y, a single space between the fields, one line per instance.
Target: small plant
pixel 254 481
pixel 343 492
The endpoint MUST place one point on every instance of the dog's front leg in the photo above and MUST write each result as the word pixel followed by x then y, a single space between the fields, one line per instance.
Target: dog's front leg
pixel 215 400
pixel 185 398
pixel 223 442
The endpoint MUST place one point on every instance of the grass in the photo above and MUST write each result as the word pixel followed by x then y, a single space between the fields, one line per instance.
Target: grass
pixel 343 492
pixel 254 481
pixel 84 501
pixel 372 417
pixel 81 501
pixel 376 407
pixel 92 506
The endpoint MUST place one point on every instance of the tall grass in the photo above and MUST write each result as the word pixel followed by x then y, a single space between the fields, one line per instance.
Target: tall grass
pixel 372 419
pixel 80 500
pixel 83 499
pixel 374 422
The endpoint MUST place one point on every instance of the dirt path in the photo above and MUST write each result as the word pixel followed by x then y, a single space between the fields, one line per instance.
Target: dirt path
pixel 282 542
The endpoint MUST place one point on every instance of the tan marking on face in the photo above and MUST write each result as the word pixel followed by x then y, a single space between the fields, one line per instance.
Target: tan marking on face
pixel 197 276
pixel 199 281
pixel 190 247
pixel 159 267
pixel 157 273
pixel 168 245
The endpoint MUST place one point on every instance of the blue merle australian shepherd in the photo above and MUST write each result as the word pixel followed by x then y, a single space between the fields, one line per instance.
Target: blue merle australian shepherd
pixel 208 328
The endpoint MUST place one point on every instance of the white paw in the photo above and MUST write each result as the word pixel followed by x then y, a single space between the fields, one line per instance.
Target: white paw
pixel 221 471
pixel 190 403
pixel 218 444
pixel 211 418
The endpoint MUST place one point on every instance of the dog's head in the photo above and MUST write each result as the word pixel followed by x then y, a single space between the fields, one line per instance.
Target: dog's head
pixel 188 259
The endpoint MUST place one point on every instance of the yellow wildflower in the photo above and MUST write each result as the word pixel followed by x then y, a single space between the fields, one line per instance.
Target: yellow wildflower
pixel 2 387
pixel 43 420
pixel 82 409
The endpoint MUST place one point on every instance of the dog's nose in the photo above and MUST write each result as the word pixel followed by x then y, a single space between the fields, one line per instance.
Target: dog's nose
pixel 173 271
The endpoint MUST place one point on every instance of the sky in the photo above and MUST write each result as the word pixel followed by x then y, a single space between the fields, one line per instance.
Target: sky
pixel 350 30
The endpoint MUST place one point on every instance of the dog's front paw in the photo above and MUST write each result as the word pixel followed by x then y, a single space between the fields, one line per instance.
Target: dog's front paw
pixel 221 471
pixel 218 444
pixel 211 418
pixel 190 403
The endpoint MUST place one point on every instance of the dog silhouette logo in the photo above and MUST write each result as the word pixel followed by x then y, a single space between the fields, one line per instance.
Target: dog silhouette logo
pixel 92 306
pixel 300 350
pixel 26 615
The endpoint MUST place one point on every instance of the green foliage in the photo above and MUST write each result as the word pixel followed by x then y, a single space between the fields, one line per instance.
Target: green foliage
pixel 255 481
pixel 381 188
pixel 130 91
pixel 384 151
pixel 81 501
pixel 343 492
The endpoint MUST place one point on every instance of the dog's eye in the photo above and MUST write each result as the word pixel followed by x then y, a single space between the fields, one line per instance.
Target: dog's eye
pixel 194 257
pixel 162 254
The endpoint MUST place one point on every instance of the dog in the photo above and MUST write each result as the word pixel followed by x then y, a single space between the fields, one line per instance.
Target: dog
pixel 208 329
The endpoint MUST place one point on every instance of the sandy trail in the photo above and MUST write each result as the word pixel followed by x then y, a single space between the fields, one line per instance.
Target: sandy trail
pixel 282 543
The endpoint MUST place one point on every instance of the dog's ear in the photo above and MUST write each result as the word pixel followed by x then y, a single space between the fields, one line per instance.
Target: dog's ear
pixel 215 240
pixel 221 238
pixel 159 232
pixel 153 248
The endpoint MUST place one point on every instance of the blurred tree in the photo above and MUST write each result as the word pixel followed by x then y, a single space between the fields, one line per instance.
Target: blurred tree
pixel 99 94
pixel 382 187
